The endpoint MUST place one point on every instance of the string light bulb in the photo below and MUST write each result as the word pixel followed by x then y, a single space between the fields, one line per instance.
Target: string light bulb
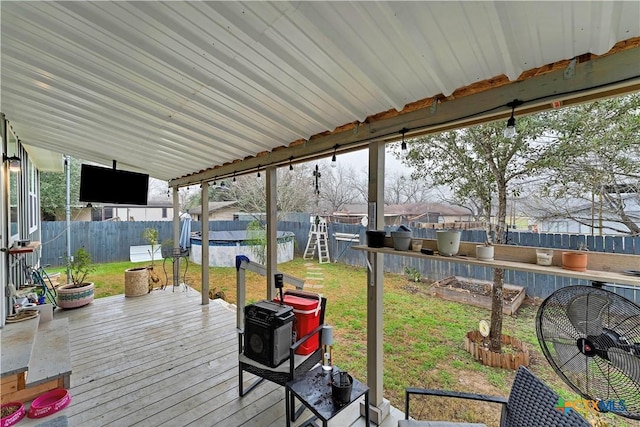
pixel 334 161
pixel 403 146
pixel 510 130
pixel 290 163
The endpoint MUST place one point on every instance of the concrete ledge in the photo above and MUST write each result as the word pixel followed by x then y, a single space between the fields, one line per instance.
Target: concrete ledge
pixel 17 345
pixel 51 356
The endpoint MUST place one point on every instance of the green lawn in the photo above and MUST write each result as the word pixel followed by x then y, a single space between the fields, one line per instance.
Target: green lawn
pixel 423 335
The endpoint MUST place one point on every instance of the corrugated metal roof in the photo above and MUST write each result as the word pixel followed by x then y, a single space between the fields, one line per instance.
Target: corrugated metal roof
pixel 172 88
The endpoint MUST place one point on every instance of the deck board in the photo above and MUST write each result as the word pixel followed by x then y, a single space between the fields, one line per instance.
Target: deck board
pixel 161 359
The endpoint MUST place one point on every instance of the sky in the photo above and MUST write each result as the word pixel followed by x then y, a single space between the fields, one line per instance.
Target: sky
pixel 360 159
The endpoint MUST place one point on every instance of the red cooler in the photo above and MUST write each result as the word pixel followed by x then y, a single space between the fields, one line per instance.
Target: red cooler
pixel 306 308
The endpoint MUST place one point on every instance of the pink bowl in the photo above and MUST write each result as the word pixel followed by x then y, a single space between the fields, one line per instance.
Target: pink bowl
pixel 13 418
pixel 49 403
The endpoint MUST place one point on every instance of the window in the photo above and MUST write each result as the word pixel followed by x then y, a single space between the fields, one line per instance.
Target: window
pixel 96 214
pixel 14 188
pixel 34 209
pixel 108 213
pixel 164 212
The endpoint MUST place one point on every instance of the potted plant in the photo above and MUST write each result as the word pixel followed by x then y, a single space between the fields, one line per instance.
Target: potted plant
pixel 79 292
pixel 151 236
pixel 576 261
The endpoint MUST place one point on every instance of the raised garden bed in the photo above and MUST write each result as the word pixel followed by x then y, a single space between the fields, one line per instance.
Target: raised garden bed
pixel 478 293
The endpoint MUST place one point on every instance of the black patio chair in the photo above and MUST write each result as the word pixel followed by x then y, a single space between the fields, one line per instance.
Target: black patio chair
pixel 289 369
pixel 531 403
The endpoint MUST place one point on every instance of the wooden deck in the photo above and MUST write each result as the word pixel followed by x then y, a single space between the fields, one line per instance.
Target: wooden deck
pixel 162 359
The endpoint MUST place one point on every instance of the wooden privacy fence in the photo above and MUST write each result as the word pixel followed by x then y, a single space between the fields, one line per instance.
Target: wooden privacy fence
pixel 110 242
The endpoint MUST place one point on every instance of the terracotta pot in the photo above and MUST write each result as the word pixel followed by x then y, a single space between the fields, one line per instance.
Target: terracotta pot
pixel 575 261
pixel 70 297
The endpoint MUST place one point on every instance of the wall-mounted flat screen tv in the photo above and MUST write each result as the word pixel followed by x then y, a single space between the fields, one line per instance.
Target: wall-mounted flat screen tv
pixel 104 185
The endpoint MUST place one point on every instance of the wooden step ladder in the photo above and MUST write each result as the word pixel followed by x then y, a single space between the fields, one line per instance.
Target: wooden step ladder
pixel 318 239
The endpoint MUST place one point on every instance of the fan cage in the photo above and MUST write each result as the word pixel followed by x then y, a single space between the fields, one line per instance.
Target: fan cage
pixel 591 337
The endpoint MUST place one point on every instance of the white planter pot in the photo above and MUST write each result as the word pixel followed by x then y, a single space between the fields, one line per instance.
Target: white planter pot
pixel 448 242
pixel 544 256
pixel 484 253
pixel 69 297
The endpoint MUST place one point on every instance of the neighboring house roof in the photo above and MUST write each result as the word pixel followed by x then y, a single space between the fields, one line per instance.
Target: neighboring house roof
pixel 213 206
pixel 153 201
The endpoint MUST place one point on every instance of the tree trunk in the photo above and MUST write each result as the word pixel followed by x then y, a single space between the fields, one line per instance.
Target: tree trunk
pixel 495 333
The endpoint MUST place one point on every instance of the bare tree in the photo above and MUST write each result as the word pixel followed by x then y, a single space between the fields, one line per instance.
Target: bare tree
pixel 337 188
pixel 293 190
pixel 400 188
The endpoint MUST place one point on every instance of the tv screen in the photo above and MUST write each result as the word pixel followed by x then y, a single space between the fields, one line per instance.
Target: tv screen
pixel 104 185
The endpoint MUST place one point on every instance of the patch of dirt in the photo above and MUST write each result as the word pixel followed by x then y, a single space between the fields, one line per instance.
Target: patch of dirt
pixel 476 288
pixel 419 288
pixel 460 410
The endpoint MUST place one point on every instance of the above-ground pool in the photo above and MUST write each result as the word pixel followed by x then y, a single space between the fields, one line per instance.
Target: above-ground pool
pixel 224 246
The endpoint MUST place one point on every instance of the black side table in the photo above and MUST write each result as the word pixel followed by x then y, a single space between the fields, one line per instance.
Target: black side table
pixel 174 255
pixel 313 390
